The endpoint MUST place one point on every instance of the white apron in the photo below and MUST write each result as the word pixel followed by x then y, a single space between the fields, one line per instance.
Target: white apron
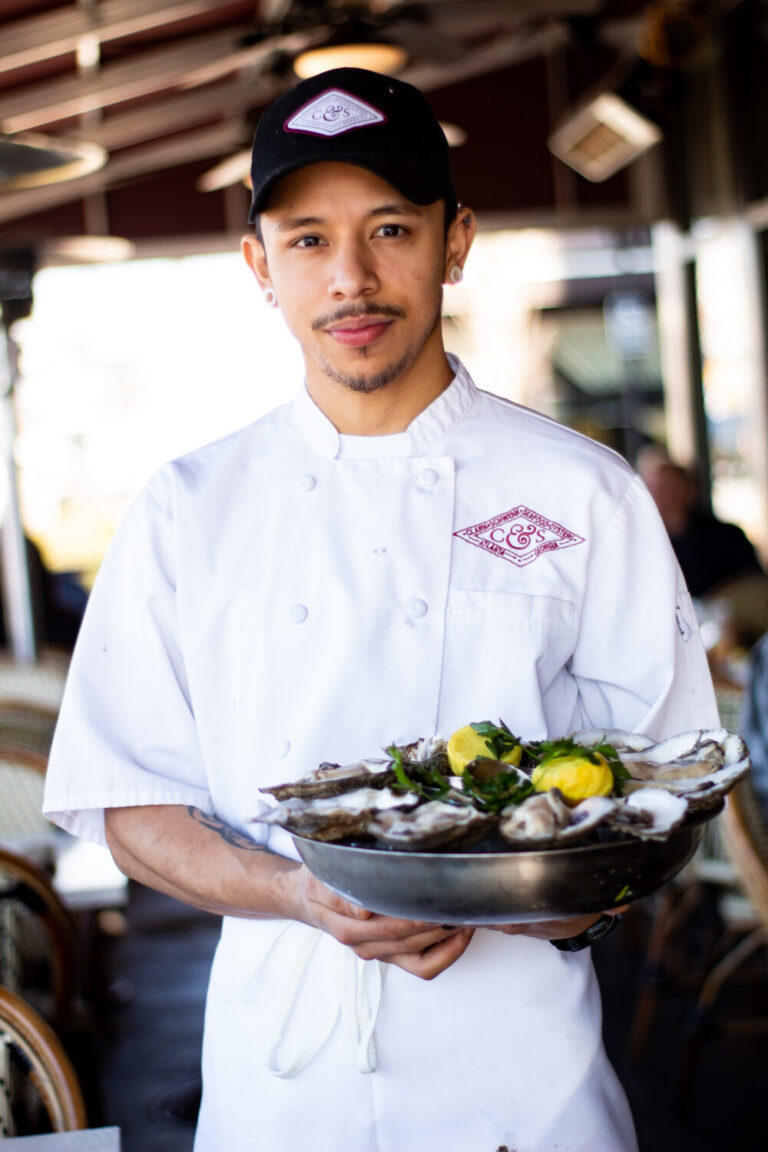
pixel 290 595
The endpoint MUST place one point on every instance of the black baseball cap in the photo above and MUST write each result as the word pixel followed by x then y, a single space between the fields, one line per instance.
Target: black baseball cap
pixel 358 117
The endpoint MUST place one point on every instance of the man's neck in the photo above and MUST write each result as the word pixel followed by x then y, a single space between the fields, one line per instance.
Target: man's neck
pixel 386 410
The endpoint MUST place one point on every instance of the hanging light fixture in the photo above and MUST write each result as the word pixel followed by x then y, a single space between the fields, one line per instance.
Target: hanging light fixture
pixel 29 160
pixel 386 58
pixel 354 44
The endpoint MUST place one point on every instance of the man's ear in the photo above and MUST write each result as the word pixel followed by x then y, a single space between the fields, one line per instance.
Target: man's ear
pixel 458 241
pixel 256 259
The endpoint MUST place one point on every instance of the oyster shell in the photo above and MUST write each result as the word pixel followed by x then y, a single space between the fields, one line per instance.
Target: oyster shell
pixel 616 737
pixel 432 825
pixel 431 753
pixel 334 817
pixel 334 779
pixel 648 813
pixel 546 818
pixel 587 815
pixel 539 818
pixel 701 766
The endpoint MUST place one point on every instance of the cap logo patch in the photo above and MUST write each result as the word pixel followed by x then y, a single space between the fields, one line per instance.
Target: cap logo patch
pixel 332 113
pixel 519 535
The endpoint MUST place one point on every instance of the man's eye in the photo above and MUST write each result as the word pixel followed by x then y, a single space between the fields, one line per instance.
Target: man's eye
pixel 306 242
pixel 391 230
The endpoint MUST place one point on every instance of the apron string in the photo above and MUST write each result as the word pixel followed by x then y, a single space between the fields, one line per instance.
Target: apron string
pixel 358 1000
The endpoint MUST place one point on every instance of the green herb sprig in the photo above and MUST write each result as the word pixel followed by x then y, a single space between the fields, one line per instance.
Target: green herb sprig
pixel 497 736
pixel 427 782
pixel 495 792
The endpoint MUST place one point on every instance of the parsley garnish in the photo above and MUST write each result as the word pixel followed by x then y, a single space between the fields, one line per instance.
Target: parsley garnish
pixel 495 792
pixel 427 782
pixel 497 736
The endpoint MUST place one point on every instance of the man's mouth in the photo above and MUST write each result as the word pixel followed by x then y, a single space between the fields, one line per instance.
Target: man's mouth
pixel 358 331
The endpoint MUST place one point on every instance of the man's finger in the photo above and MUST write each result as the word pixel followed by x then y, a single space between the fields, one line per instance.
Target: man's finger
pixel 430 963
pixel 411 945
pixel 320 893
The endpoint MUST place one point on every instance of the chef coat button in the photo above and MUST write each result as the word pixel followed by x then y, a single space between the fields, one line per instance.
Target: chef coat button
pixel 307 483
pixel 283 749
pixel 417 608
pixel 428 478
pixel 298 613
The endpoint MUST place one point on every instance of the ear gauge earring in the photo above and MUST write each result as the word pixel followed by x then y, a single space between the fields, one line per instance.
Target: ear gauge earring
pixel 270 297
pixel 455 275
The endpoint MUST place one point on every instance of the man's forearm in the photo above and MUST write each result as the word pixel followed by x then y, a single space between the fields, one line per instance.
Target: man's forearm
pixel 198 859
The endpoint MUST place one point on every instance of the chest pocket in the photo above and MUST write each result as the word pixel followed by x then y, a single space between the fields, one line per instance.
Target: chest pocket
pixel 537 612
pixel 504 650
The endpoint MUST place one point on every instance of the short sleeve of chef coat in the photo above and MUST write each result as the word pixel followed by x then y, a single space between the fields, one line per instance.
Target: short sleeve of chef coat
pixel 639 660
pixel 126 732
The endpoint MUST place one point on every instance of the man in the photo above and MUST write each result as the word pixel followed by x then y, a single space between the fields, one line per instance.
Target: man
pixel 392 555
pixel 710 552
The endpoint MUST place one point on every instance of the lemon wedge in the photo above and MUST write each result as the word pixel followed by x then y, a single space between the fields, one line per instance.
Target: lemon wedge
pixel 467 745
pixel 578 775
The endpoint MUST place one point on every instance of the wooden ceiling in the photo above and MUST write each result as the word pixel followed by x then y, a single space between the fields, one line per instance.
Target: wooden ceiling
pixel 170 87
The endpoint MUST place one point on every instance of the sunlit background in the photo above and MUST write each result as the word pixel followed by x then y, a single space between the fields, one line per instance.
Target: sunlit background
pixel 125 366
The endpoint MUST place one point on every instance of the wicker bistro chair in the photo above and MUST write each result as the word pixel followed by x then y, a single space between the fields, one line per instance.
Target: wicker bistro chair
pixel 40 684
pixel 26 727
pixel 22 783
pixel 39 1090
pixel 34 924
pixel 746 839
pixel 709 883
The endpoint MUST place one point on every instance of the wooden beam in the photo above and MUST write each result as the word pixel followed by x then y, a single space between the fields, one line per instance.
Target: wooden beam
pixel 56 33
pixel 178 111
pixel 146 72
pixel 500 54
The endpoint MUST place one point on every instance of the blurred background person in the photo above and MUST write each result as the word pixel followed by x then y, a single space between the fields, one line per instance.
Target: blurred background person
pixel 710 552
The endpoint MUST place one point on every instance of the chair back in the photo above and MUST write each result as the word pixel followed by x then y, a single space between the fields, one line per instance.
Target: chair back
pixel 35 1074
pixel 34 922
pixel 26 726
pixel 746 837
pixel 41 683
pixel 22 783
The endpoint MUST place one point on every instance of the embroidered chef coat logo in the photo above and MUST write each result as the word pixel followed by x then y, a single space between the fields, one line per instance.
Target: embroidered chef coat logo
pixel 332 113
pixel 519 535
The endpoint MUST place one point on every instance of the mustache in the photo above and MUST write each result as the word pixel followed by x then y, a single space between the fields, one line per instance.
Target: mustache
pixel 349 311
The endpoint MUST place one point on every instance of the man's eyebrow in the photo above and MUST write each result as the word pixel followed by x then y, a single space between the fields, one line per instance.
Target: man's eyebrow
pixel 396 208
pixel 292 222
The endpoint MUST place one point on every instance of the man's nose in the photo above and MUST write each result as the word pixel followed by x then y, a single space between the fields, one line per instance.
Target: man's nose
pixel 353 273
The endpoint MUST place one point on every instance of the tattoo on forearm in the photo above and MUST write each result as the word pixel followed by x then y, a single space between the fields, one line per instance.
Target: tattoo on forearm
pixel 230 835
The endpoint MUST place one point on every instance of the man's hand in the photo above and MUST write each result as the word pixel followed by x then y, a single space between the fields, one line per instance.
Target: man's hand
pixel 424 950
pixel 555 929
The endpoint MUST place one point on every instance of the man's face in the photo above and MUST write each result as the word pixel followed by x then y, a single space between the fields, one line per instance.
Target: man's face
pixel 357 271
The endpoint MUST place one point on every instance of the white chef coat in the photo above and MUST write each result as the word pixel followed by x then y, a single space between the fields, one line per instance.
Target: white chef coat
pixel 289 595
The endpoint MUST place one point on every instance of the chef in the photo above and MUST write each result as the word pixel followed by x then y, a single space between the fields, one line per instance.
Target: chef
pixel 392 555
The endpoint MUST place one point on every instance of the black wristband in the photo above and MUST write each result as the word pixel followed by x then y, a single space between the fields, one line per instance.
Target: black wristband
pixel 590 935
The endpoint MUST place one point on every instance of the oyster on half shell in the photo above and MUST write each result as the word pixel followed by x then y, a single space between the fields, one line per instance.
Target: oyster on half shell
pixel 430 753
pixel 334 817
pixel 334 779
pixel 433 825
pixel 648 813
pixel 700 766
pixel 546 818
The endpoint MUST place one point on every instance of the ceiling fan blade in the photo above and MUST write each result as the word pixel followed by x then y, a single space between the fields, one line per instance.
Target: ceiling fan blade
pixel 254 55
pixel 232 170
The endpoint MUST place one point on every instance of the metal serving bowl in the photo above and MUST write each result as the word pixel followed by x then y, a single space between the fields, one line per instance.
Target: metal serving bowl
pixel 503 887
